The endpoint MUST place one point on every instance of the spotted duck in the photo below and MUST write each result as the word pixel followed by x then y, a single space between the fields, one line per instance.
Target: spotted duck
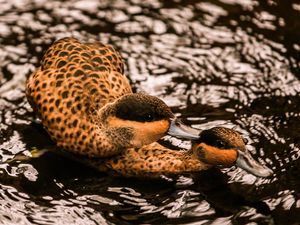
pixel 217 146
pixel 87 106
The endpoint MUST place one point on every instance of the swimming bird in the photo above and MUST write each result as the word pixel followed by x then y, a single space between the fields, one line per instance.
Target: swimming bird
pixel 87 106
pixel 217 146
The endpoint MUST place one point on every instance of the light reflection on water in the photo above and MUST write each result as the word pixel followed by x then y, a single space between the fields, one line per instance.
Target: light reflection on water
pixel 229 62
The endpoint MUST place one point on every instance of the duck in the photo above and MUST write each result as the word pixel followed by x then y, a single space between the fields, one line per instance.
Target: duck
pixel 85 102
pixel 215 147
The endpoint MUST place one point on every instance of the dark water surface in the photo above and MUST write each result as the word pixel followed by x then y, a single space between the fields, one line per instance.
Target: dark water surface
pixel 232 63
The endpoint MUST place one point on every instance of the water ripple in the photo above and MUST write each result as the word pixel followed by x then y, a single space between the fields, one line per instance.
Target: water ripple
pixel 225 63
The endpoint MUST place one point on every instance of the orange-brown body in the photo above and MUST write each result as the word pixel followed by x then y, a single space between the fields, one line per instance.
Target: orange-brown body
pixel 87 106
pixel 152 161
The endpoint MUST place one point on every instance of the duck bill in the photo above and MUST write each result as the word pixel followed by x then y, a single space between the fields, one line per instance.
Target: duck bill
pixel 246 162
pixel 178 129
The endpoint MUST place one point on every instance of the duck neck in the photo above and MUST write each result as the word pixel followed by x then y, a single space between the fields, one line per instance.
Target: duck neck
pixel 117 137
pixel 104 113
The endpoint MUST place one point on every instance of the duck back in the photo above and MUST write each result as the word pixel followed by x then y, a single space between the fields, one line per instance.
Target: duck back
pixel 74 81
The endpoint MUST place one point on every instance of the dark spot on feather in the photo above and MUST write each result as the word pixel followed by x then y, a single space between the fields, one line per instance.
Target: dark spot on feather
pixel 65 94
pixel 59 76
pixel 61 63
pixel 58 83
pixel 57 102
pixel 61 54
pixel 78 73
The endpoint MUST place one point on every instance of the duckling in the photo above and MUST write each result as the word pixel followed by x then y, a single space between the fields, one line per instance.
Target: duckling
pixel 217 146
pixel 87 106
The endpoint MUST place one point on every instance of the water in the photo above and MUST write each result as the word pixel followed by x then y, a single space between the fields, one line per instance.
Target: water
pixel 230 63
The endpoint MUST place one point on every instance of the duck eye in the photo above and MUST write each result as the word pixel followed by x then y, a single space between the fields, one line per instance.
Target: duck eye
pixel 149 117
pixel 220 144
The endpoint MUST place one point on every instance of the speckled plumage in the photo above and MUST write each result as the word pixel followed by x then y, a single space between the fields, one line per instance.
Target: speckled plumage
pixel 154 159
pixel 73 92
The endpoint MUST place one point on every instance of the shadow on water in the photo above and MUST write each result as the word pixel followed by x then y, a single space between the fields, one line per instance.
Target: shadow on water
pixel 216 63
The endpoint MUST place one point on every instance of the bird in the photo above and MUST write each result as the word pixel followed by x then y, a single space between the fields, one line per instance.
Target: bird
pixel 86 104
pixel 218 146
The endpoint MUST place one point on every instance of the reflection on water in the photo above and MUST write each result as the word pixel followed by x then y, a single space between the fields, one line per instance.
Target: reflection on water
pixel 226 62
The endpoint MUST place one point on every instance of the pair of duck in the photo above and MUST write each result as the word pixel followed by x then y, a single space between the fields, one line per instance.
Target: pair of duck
pixel 87 106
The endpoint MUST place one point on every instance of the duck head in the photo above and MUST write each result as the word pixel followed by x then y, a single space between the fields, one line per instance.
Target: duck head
pixel 226 147
pixel 146 118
